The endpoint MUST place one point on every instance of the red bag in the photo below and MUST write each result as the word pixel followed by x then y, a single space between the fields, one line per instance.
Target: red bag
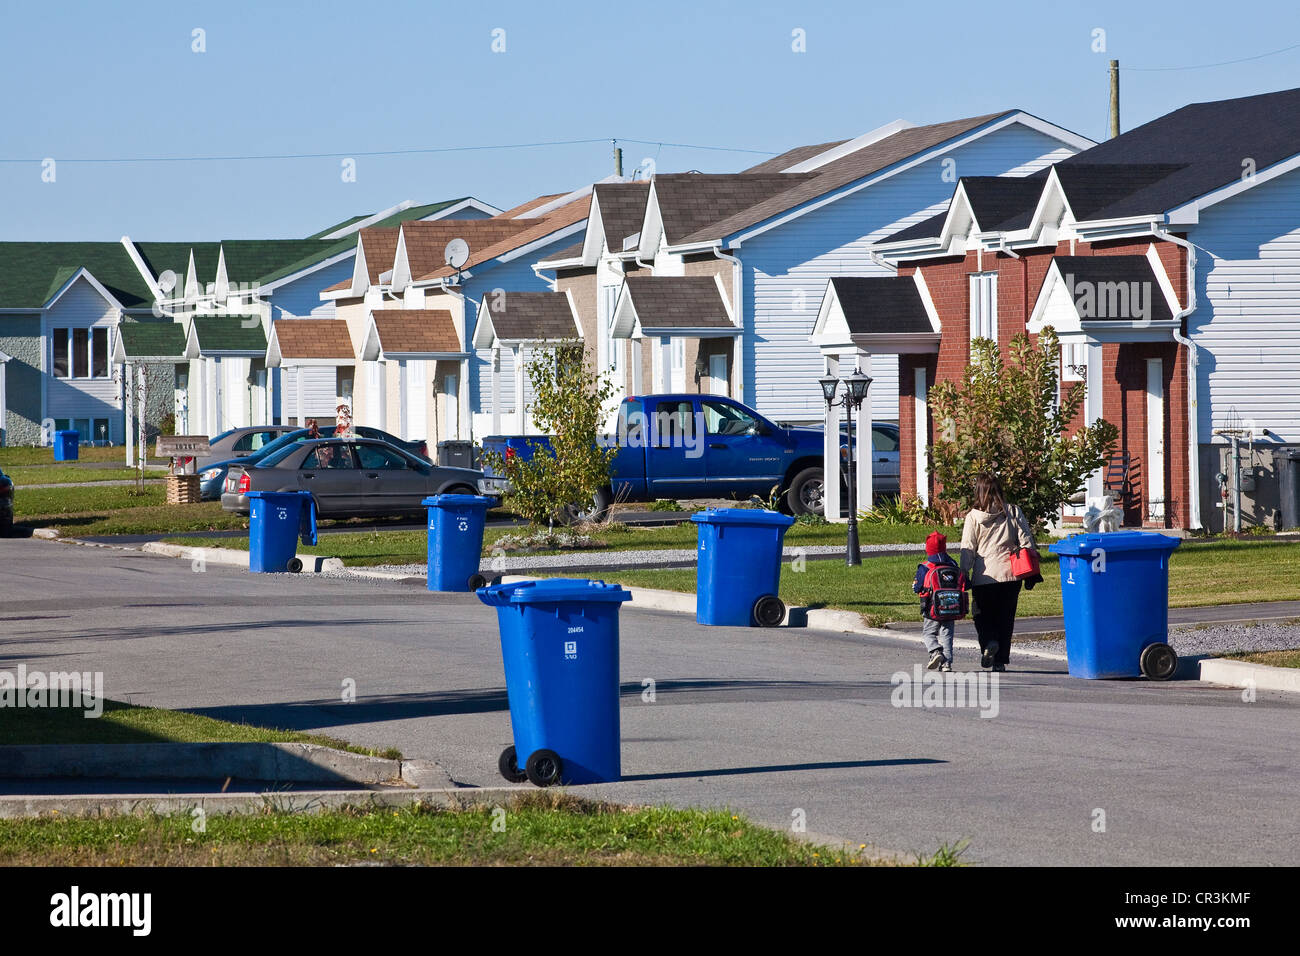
pixel 1024 561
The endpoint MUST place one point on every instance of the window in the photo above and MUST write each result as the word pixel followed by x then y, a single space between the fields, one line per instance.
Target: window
pixel 674 424
pixel 984 306
pixel 679 354
pixel 333 455
pixel 1074 361
pixel 253 441
pixel 80 353
pixel 723 419
pixel 372 456
pixel 613 346
pixel 884 439
pixel 89 430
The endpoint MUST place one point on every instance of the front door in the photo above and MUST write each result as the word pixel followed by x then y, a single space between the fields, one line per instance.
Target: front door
pixel 718 374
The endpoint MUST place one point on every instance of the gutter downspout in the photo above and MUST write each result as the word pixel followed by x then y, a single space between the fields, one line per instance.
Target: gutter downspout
pixel 550 283
pixel 1193 360
pixel 738 303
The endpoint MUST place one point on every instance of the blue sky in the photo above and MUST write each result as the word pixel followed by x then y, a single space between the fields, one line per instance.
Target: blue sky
pixel 99 80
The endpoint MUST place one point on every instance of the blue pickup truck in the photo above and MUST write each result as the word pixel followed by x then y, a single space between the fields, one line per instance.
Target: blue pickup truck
pixel 695 446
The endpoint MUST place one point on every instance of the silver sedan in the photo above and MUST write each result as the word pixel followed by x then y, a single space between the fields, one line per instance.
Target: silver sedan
pixel 349 478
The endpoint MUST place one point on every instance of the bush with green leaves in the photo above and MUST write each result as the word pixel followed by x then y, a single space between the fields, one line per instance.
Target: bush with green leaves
pixel 568 404
pixel 1005 418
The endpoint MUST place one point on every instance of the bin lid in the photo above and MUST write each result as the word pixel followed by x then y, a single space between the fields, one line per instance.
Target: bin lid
pixel 274 494
pixel 1085 544
pixel 553 591
pixel 457 501
pixel 749 516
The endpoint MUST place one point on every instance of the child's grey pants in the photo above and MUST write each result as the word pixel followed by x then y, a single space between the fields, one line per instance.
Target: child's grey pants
pixel 938 635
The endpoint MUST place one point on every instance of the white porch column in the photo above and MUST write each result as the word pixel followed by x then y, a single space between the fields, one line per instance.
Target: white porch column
pixel 921 428
pixel 663 364
pixel 636 367
pixel 402 400
pixel 521 413
pixel 128 412
pixel 383 396
pixel 1092 412
pixel 737 390
pixel 831 451
pixel 464 411
pixel 495 372
pixel 299 402
pixel 219 402
pixel 144 404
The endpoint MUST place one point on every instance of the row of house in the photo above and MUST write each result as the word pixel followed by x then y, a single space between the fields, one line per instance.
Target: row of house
pixel 1168 260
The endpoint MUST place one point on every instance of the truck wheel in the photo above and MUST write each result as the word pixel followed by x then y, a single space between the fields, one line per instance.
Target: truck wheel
pixel 595 513
pixel 1158 661
pixel 544 768
pixel 807 493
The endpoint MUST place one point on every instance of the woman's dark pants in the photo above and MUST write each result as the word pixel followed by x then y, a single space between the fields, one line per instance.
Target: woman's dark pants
pixel 995 615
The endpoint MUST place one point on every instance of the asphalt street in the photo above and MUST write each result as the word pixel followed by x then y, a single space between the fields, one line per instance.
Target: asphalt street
pixel 788 726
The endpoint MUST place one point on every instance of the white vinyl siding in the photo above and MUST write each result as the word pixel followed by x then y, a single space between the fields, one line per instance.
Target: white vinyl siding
pixel 319 392
pixel 984 306
pixel 1247 320
pixel 787 268
pixel 81 307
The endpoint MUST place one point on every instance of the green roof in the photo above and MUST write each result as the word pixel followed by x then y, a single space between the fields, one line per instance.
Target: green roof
pixel 140 339
pixel 230 333
pixel 161 256
pixel 336 227
pixel 32 272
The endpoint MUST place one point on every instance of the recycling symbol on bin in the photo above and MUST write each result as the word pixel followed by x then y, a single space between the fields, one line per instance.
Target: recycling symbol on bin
pixel 283 513
pixel 462 525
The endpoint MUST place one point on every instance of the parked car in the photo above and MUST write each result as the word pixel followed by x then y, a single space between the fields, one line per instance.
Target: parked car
pixel 237 442
pixel 212 479
pixel 361 476
pixel 6 504
pixel 883 456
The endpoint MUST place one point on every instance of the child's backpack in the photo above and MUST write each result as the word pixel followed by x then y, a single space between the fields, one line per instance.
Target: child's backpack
pixel 947 590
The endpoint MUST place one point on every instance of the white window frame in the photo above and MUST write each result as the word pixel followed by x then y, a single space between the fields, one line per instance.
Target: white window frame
pixel 90 331
pixel 984 306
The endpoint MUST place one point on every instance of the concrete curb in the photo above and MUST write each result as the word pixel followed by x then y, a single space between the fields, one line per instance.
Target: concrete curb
pixel 302 801
pixel 821 619
pixel 1219 670
pixel 232 557
pixel 272 762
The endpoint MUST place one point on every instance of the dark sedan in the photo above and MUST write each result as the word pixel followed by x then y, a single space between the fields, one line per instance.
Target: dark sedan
pixel 6 504
pixel 360 476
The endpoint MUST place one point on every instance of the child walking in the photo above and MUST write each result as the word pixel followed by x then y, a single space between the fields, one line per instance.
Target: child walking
pixel 944 600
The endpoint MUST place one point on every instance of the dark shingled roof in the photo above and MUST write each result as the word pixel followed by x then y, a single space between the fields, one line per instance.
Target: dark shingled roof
pixel 622 210
pixel 1092 188
pixel 925 229
pixel 1098 276
pixel 881 304
pixel 314 339
pixel 230 333
pixel 684 302
pixel 690 202
pixel 1004 202
pixel 1199 149
pixel 792 157
pixel 531 316
pixel 804 187
pixel 152 339
pixel 569 252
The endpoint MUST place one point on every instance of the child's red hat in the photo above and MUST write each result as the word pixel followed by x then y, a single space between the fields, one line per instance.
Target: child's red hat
pixel 936 543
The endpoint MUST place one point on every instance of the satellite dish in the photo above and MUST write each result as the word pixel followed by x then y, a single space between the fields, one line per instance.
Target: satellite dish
pixel 456 253
pixel 167 280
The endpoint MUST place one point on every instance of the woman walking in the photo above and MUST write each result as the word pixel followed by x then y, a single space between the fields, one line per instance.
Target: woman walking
pixel 993 530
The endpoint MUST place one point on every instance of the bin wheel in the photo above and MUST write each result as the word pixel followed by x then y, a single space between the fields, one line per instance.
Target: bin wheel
pixel 294 565
pixel 477 581
pixel 509 767
pixel 1158 661
pixel 769 611
pixel 544 768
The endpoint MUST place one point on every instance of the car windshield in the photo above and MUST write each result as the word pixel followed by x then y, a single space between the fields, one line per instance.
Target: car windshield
pixel 226 434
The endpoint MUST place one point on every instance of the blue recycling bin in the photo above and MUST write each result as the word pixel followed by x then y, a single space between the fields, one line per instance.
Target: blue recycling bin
pixel 559 645
pixel 1115 594
pixel 66 445
pixel 456 541
pixel 277 519
pixel 739 569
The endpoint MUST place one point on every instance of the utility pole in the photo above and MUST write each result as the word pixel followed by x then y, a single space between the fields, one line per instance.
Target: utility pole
pixel 618 159
pixel 1114 98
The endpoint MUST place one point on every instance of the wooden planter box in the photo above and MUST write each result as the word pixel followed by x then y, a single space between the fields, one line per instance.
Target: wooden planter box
pixel 182 489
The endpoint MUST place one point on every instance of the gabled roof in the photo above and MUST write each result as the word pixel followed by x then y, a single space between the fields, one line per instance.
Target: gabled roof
pixel 524 208
pixel 995 203
pixel 149 340
pixel 1095 278
pixel 314 340
pixel 692 205
pixel 379 247
pixel 622 210
pixel 885 314
pixel 239 335
pixel 32 273
pixel 518 317
pixel 650 305
pixel 549 223
pixel 426 242
pixel 411 333
pixel 792 157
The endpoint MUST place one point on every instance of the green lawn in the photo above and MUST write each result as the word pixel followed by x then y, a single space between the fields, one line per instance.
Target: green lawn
pixel 1222 572
pixel 41 502
pixel 27 475
pixel 125 724
pixel 1271 658
pixel 536 829
pixel 367 548
pixel 18 455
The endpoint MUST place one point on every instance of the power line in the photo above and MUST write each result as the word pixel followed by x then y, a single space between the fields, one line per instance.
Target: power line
pixel 1206 66
pixel 364 153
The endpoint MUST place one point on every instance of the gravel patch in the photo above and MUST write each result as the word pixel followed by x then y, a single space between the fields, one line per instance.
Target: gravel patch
pixel 1216 639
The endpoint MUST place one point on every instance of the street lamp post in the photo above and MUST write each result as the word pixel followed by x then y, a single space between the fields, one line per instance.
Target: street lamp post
pixel 855 391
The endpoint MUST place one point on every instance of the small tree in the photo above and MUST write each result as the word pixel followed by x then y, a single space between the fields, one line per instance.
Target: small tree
pixel 1005 418
pixel 568 405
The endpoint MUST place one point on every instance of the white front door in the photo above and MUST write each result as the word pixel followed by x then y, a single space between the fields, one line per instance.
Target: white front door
pixel 718 373
pixel 451 404
pixel 1155 470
